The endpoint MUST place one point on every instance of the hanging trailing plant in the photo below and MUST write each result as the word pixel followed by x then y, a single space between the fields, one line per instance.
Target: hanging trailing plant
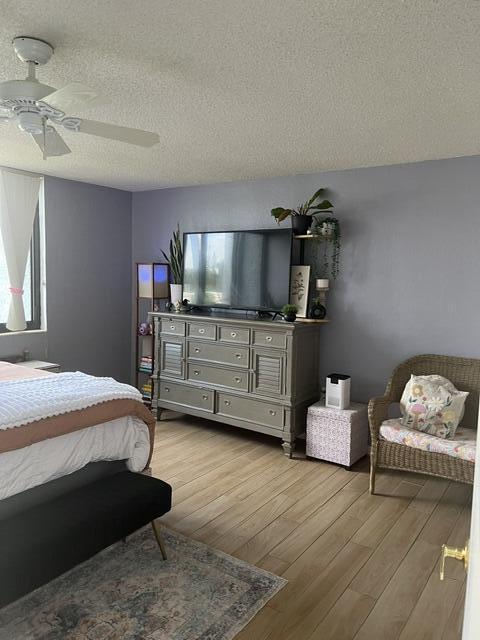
pixel 328 230
pixel 175 259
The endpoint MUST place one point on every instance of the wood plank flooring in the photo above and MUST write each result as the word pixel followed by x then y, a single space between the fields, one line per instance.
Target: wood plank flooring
pixel 359 567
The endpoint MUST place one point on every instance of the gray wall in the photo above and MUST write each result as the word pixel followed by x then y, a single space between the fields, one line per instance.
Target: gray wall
pixel 88 274
pixel 409 280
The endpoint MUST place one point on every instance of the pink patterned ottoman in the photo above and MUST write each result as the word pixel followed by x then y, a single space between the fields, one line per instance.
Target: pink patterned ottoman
pixel 336 435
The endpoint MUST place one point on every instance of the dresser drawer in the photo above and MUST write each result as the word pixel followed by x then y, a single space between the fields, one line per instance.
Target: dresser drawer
pixel 239 335
pixel 217 375
pixel 202 330
pixel 218 353
pixel 266 413
pixel 262 338
pixel 173 327
pixel 188 396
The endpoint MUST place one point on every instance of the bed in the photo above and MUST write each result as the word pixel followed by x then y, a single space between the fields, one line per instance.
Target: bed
pixel 53 453
pixel 62 439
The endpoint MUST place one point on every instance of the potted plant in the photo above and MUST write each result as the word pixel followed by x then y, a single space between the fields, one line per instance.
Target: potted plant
pixel 302 215
pixel 175 260
pixel 289 312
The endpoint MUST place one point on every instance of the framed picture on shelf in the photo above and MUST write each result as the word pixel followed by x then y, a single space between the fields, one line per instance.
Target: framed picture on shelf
pixel 299 283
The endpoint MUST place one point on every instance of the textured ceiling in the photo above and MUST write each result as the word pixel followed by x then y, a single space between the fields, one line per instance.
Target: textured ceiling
pixel 241 89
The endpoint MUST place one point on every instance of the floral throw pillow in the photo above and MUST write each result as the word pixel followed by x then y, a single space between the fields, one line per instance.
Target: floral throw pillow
pixel 432 404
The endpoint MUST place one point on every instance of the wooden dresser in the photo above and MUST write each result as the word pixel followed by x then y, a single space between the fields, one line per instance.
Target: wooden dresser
pixel 257 374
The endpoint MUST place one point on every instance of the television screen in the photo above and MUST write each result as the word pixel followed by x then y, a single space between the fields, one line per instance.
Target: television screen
pixel 238 269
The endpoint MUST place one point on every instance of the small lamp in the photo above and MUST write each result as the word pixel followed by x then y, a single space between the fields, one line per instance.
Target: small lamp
pixel 317 310
pixel 322 285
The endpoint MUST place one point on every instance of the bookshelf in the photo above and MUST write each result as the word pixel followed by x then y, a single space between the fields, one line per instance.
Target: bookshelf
pixel 152 292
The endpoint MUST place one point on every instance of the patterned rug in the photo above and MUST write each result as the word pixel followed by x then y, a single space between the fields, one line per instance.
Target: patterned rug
pixel 128 592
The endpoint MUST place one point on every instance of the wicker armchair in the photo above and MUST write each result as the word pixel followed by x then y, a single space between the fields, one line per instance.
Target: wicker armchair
pixel 465 375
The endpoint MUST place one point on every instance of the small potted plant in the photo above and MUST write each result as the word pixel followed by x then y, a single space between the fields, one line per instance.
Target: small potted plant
pixel 175 260
pixel 302 216
pixel 289 312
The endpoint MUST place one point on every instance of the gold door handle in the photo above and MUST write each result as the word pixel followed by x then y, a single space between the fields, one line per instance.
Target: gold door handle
pixel 453 552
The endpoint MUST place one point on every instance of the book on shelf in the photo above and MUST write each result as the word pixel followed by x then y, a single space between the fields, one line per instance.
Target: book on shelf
pixel 146 391
pixel 146 364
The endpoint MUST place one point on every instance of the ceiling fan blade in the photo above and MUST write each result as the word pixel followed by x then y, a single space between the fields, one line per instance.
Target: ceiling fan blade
pixel 72 96
pixel 124 134
pixel 52 144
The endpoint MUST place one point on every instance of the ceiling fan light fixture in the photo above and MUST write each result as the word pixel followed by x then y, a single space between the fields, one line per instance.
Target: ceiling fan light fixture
pixel 30 122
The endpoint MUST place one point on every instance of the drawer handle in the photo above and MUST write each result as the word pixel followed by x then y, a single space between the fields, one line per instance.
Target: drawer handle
pixel 268 338
pixel 238 356
pixel 172 327
pixel 205 397
pixel 233 334
pixel 197 350
pixel 167 389
pixel 196 372
pixel 237 379
pixel 227 402
pixel 272 412
pixel 201 331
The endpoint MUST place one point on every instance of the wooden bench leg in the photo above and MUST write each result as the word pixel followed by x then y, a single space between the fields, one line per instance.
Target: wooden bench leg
pixel 159 540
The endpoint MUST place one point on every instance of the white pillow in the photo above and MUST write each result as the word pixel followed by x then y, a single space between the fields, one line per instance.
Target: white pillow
pixel 432 404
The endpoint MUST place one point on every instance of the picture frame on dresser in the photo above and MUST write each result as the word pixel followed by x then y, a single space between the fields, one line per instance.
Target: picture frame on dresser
pixel 299 288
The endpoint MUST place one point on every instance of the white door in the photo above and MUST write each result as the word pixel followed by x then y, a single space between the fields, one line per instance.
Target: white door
pixel 471 620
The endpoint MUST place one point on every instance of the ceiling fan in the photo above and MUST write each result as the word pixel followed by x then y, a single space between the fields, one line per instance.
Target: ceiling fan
pixel 35 107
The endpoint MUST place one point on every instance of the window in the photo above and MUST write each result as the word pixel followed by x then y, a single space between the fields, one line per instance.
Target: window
pixel 31 284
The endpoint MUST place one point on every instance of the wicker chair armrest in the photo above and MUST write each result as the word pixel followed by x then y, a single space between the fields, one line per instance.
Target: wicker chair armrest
pixel 378 413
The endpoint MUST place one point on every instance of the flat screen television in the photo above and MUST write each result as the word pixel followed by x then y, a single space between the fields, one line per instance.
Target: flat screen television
pixel 238 269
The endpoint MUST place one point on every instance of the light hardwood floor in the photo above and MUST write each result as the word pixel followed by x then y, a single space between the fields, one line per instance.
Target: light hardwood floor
pixel 359 567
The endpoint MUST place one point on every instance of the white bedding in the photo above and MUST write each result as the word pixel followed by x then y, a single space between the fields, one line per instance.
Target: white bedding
pixel 124 438
pixel 30 399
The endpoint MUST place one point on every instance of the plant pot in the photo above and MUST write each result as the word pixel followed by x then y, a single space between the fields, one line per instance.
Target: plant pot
pixel 300 224
pixel 327 229
pixel 290 318
pixel 176 293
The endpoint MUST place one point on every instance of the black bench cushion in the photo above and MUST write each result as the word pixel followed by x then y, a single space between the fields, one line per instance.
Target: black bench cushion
pixel 46 540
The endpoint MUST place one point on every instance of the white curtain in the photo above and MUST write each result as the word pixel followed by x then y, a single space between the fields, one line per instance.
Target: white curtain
pixel 18 205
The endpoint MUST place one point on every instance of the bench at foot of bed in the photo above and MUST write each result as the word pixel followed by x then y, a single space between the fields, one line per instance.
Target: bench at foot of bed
pixel 44 541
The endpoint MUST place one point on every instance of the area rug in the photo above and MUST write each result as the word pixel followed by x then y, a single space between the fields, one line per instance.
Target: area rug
pixel 128 592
